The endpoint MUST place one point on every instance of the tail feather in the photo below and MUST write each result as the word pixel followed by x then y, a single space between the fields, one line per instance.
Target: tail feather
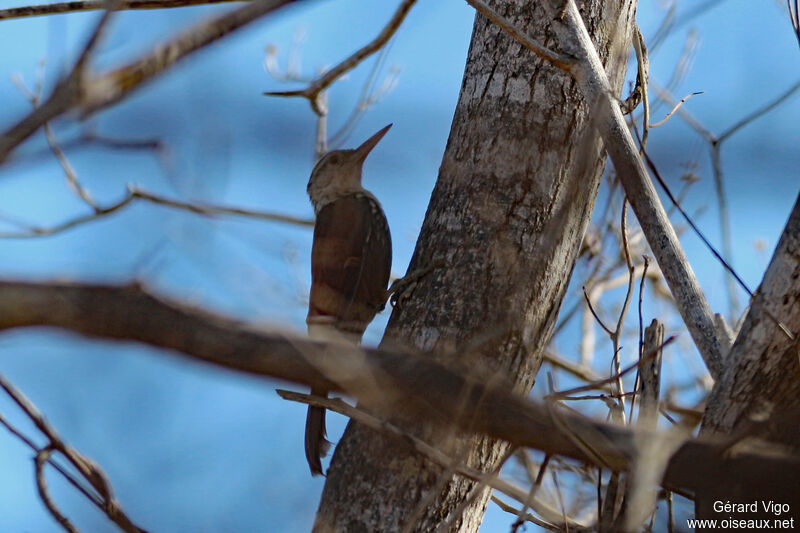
pixel 322 329
pixel 316 444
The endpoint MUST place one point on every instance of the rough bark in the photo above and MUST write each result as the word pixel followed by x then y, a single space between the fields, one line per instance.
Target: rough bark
pixel 757 399
pixel 514 195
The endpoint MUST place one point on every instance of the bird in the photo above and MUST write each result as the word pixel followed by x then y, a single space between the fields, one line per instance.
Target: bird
pixel 351 257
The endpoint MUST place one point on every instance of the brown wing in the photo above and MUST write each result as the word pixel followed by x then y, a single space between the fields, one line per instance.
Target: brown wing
pixel 350 261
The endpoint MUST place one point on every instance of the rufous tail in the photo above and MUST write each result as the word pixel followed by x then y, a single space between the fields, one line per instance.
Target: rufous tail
pixel 316 443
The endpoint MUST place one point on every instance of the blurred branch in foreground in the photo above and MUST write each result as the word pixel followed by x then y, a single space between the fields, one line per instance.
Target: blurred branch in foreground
pixel 407 383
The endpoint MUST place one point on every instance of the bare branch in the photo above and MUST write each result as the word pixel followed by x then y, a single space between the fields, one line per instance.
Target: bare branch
pixel 579 371
pixel 92 93
pixel 664 94
pixel 60 469
pixel 637 383
pixel 561 61
pixel 398 382
pixel 594 313
pixel 317 87
pixel 41 485
pixel 650 373
pixel 94 5
pixel 672 111
pixel 766 108
pixel 591 78
pixel 434 454
pixel 716 142
pixel 521 514
pixel 34 97
pixel 615 377
pixel 134 194
pixel 88 469
pixel 69 172
pixel 643 79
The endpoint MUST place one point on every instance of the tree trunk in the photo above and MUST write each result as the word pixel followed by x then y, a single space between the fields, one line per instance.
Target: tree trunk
pixel 513 199
pixel 756 401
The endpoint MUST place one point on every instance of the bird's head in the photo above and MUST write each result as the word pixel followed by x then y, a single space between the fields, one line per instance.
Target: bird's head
pixel 338 173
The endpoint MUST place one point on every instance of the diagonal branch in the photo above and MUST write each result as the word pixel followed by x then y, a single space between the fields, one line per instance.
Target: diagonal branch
pixel 134 194
pixel 431 452
pixel 404 383
pixel 92 93
pixel 86 467
pixel 562 61
pixel 587 69
pixel 41 486
pixel 689 298
pixel 74 6
pixel 315 89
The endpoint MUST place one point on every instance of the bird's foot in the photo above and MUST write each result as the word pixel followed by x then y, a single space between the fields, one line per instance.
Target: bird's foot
pixel 402 289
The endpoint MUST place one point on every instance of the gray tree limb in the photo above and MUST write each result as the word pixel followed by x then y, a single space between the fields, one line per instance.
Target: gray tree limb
pixel 409 384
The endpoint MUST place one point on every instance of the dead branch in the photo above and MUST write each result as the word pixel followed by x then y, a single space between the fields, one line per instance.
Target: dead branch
pixel 87 468
pixel 74 6
pixel 133 194
pixel 587 69
pixel 41 486
pixel 317 87
pixel 434 454
pixel 689 298
pixel 91 93
pixel 405 383
pixel 561 61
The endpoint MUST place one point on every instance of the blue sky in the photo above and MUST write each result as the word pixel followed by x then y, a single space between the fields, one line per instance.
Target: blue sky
pixel 192 448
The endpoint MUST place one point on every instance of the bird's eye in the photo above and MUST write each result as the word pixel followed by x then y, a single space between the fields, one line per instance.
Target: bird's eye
pixel 334 159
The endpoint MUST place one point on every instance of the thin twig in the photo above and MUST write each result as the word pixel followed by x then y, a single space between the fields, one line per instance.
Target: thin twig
pixel 716 165
pixel 72 480
pixel 670 513
pixel 89 470
pixel 527 516
pixel 564 62
pixel 34 96
pixel 474 492
pixel 92 93
pixel 766 108
pixel 579 371
pixel 69 172
pixel 41 485
pixel 134 194
pixel 369 96
pixel 611 379
pixel 674 109
pixel 536 483
pixel 591 308
pixel 616 335
pixel 430 452
pixel 664 94
pixel 641 331
pixel 313 91
pixel 724 228
pixel 95 37
pixel 694 227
